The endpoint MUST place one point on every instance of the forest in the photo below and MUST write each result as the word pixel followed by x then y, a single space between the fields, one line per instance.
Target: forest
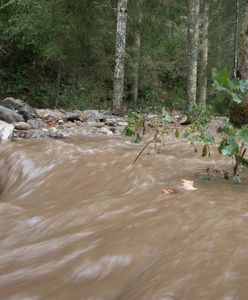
pixel 64 53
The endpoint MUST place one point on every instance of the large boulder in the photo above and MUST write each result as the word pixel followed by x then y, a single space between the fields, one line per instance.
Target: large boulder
pixel 9 115
pixel 21 107
pixel 6 131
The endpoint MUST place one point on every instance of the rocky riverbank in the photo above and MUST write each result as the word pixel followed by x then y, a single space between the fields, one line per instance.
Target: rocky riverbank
pixel 18 120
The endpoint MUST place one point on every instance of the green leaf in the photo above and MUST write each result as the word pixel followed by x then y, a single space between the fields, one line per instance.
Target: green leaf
pixel 243 86
pixel 243 134
pixel 228 147
pixel 221 76
pixel 235 97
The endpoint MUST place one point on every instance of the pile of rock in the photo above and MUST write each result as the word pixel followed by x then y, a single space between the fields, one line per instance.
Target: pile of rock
pixel 20 120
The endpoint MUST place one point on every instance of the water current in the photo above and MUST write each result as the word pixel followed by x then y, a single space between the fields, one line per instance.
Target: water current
pixel 78 222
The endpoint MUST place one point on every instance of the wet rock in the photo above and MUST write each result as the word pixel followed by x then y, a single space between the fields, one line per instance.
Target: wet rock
pixel 22 126
pixel 60 122
pixel 21 107
pixel 122 123
pixel 50 114
pixel 68 125
pixel 94 124
pixel 72 116
pixel 93 116
pixel 113 129
pixel 110 122
pixel 36 124
pixel 6 131
pixel 105 130
pixel 216 125
pixel 38 134
pixel 9 115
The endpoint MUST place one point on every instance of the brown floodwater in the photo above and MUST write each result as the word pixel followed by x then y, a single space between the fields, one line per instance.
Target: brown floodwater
pixel 78 222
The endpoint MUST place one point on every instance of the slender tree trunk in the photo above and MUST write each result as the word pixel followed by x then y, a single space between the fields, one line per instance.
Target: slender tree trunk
pixel 58 82
pixel 236 41
pixel 243 57
pixel 120 55
pixel 193 40
pixel 203 76
pixel 136 55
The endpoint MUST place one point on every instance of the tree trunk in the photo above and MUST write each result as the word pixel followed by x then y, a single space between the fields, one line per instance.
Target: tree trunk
pixel 236 41
pixel 120 55
pixel 193 40
pixel 243 57
pixel 203 76
pixel 58 82
pixel 136 63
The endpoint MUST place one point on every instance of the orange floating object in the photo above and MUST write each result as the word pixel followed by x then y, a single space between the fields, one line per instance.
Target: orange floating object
pixel 168 191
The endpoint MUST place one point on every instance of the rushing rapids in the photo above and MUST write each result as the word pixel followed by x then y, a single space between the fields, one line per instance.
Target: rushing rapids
pixel 77 221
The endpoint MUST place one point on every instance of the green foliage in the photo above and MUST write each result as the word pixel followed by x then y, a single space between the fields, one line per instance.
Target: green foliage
pixel 135 123
pixel 234 88
pixel 74 40
pixel 235 142
pixel 228 147
pixel 196 131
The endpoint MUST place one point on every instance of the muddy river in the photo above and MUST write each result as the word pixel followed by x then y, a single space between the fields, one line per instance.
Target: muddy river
pixel 77 222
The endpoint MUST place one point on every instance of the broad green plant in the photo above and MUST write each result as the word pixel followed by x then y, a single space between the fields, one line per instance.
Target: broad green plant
pixel 235 141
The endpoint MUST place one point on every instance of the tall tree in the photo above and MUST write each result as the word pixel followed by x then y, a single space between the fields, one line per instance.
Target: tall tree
pixel 193 41
pixel 236 41
pixel 204 56
pixel 120 55
pixel 136 46
pixel 243 57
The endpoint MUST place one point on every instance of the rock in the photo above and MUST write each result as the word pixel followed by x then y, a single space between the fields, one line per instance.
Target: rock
pixel 36 124
pixel 185 121
pixel 22 126
pixel 93 116
pixel 53 129
pixel 113 129
pixel 72 116
pixel 60 121
pixel 94 124
pixel 68 125
pixel 6 131
pixel 21 107
pixel 50 114
pixel 216 125
pixel 177 115
pixel 105 130
pixel 110 122
pixel 9 115
pixel 122 123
